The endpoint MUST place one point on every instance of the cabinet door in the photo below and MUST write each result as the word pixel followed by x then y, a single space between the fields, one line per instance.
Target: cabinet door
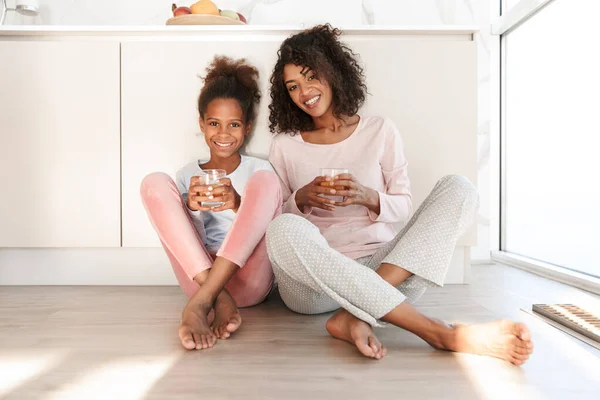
pixel 161 83
pixel 59 144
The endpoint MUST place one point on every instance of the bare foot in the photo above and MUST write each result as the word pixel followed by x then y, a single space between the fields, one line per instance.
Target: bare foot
pixel 504 339
pixel 227 317
pixel 346 326
pixel 194 332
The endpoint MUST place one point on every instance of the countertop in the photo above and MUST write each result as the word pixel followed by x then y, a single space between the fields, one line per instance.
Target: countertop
pixel 149 30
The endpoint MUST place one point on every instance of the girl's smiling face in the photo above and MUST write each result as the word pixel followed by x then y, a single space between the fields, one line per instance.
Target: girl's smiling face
pixel 224 127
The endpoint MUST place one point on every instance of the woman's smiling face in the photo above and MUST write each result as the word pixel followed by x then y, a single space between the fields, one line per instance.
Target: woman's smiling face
pixel 308 91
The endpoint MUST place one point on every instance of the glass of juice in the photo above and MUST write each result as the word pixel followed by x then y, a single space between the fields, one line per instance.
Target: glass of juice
pixel 211 177
pixel 332 173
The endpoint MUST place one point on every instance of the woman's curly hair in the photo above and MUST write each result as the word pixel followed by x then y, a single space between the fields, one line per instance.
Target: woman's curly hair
pixel 231 79
pixel 320 50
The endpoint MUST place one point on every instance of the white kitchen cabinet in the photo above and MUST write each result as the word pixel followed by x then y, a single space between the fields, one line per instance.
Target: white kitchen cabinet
pixel 426 84
pixel 85 115
pixel 59 143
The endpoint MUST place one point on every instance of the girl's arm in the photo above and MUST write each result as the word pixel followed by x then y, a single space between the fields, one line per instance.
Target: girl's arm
pixel 182 182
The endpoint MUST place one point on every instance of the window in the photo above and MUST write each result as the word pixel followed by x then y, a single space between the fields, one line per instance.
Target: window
pixel 550 206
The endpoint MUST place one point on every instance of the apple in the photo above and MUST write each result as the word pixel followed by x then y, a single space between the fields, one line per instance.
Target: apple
pixel 205 7
pixel 230 14
pixel 177 11
pixel 242 18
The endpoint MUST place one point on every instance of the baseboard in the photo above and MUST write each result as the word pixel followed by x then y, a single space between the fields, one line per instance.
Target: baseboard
pixel 482 261
pixel 123 267
pixel 549 271
pixel 110 266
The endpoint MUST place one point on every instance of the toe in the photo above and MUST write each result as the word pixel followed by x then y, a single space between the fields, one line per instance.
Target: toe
pixel 197 341
pixel 376 347
pixel 529 346
pixel 234 323
pixel 374 344
pixel 518 362
pixel 217 331
pixel 523 347
pixel 203 342
pixel 211 339
pixel 522 332
pixel 189 344
pixel 187 340
pixel 383 351
pixel 364 348
pixel 519 356
pixel 521 351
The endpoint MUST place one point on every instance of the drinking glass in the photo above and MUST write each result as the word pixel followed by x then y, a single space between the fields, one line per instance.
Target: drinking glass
pixel 332 173
pixel 210 177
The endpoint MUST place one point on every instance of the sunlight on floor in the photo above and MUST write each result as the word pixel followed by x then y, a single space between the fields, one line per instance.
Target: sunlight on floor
pixel 16 370
pixel 495 379
pixel 123 379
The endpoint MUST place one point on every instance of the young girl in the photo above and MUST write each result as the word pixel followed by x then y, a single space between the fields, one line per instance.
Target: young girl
pixel 329 254
pixel 218 253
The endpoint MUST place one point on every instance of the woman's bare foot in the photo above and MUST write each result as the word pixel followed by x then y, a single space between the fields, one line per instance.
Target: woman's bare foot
pixel 504 339
pixel 194 332
pixel 227 317
pixel 346 326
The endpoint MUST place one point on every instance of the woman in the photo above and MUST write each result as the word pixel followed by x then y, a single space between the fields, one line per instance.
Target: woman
pixel 328 253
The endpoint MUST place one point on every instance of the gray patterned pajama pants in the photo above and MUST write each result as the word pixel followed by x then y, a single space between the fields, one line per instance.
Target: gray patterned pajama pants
pixel 313 278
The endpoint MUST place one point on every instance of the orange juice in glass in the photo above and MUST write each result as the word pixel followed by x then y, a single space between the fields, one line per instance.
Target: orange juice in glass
pixel 332 173
pixel 211 177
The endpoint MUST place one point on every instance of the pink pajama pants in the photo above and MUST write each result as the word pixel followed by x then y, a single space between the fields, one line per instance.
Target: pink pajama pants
pixel 244 244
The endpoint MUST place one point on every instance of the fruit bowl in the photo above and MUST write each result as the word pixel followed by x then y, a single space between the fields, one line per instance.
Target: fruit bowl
pixel 202 19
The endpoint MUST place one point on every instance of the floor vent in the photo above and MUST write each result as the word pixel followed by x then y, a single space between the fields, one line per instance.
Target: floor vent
pixel 572 317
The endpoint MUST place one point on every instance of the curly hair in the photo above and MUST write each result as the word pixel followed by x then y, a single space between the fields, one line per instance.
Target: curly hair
pixel 320 50
pixel 231 79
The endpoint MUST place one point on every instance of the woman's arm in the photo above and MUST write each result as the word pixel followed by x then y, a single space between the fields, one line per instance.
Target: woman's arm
pixel 395 203
pixel 289 197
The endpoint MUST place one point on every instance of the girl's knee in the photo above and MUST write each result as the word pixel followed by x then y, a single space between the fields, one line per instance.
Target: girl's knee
pixel 249 293
pixel 263 182
pixel 154 184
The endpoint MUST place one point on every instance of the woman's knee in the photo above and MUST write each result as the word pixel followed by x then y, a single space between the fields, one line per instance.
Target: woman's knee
pixel 287 227
pixel 284 233
pixel 461 187
pixel 155 184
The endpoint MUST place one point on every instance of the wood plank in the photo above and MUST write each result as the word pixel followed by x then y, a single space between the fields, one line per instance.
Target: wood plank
pixel 121 342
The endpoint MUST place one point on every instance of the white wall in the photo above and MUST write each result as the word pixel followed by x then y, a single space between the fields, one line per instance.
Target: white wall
pixel 309 12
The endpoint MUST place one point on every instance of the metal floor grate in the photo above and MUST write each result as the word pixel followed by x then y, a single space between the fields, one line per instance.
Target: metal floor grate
pixel 572 317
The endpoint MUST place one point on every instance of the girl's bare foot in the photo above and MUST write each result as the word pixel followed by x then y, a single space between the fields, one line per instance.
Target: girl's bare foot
pixel 194 332
pixel 504 339
pixel 227 317
pixel 346 326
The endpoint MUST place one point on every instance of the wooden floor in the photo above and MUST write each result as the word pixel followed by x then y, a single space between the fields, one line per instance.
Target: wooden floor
pixel 121 343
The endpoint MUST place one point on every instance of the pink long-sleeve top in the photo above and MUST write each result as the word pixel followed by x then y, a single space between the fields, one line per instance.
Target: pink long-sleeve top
pixel 374 154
